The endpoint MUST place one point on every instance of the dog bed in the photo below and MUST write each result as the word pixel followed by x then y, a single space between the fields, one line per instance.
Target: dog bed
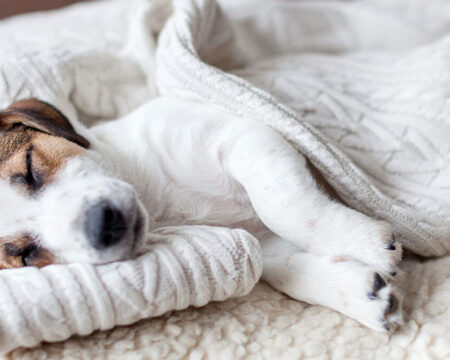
pixel 361 88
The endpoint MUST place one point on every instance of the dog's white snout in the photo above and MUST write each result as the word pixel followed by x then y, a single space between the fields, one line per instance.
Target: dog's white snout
pixel 100 216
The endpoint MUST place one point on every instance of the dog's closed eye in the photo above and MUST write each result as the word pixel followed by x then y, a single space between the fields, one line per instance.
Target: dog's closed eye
pixel 25 252
pixel 30 177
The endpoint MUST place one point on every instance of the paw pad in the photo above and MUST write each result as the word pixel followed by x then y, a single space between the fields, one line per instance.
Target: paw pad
pixel 392 305
pixel 378 283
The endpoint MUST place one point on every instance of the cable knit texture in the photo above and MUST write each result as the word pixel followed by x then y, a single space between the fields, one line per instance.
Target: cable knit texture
pixel 183 266
pixel 356 116
pixel 361 88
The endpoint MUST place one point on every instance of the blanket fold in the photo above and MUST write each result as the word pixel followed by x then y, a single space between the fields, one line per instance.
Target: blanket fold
pixel 182 266
pixel 339 111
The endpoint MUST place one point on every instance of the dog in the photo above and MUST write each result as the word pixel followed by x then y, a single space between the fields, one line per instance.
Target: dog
pixel 93 195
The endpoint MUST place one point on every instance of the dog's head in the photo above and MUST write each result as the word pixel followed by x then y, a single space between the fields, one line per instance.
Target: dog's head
pixel 57 202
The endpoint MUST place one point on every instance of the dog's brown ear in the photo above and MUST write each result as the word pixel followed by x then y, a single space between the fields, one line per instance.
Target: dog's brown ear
pixel 42 116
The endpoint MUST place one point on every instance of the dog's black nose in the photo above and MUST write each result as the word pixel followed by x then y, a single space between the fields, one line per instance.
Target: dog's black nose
pixel 105 226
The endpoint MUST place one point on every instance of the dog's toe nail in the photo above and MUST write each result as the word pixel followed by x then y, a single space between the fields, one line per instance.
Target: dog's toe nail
pixel 378 283
pixel 385 325
pixel 390 245
pixel 392 306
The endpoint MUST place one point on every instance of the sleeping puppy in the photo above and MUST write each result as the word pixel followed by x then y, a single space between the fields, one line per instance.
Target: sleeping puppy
pixel 96 197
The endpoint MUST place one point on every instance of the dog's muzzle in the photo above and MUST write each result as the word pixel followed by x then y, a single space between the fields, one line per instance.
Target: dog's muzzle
pixel 105 225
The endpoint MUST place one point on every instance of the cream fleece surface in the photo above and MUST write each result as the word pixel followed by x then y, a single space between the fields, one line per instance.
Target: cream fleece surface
pixel 268 325
pixel 361 88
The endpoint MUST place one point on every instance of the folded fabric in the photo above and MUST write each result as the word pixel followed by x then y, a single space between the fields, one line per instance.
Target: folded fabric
pixel 182 266
pixel 371 112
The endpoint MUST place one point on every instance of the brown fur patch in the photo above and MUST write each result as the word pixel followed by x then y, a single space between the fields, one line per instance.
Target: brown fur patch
pixel 41 116
pixel 12 141
pixel 49 154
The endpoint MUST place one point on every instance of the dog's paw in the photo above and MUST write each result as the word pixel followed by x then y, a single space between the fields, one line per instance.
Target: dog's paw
pixel 350 287
pixel 378 248
pixel 379 306
pixel 387 254
pixel 386 304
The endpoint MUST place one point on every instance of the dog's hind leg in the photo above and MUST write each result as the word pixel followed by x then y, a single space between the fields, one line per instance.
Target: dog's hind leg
pixel 286 198
pixel 354 289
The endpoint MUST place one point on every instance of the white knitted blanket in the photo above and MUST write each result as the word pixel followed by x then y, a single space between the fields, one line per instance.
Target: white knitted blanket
pixel 373 116
pixel 361 88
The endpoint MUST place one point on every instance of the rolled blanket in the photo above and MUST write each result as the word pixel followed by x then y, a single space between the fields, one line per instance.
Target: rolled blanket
pixel 182 266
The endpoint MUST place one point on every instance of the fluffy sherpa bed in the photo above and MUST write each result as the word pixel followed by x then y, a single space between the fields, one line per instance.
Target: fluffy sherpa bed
pixel 362 88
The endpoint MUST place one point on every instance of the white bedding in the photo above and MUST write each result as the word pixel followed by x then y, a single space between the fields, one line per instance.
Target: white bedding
pixel 355 103
pixel 361 88
pixel 268 325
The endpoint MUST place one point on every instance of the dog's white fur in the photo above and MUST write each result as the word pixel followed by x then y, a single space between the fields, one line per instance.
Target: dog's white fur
pixel 178 162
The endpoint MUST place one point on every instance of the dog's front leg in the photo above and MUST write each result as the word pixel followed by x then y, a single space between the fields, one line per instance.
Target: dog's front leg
pixel 285 197
pixel 352 288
